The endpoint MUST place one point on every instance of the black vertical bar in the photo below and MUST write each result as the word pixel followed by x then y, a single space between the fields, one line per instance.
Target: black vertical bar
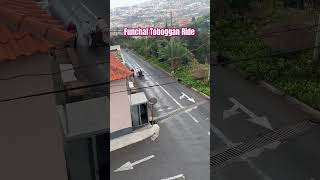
pixel 91 159
pixel 102 147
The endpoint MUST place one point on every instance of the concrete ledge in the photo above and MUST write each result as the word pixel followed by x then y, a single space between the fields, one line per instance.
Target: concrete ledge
pixel 120 133
pixel 313 112
pixel 208 97
pixel 134 137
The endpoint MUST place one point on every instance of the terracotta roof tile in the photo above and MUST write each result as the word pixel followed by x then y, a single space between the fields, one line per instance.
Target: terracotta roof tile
pixel 13 45
pixel 58 35
pixel 26 29
pixel 117 69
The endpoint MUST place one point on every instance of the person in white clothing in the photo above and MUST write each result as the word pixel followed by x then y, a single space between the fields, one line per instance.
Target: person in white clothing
pixel 87 31
pixel 102 27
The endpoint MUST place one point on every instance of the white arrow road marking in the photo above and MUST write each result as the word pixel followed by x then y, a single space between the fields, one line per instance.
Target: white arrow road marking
pixel 188 98
pixel 181 176
pixel 261 121
pixel 231 112
pixel 129 166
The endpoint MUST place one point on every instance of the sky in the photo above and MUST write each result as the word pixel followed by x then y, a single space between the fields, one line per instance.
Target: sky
pixel 122 3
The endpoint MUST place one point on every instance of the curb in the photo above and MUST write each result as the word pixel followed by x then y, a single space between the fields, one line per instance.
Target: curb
pixel 206 96
pixel 134 137
pixel 271 88
pixel 302 106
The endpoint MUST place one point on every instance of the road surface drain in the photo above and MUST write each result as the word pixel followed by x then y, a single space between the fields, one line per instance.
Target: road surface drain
pixel 279 135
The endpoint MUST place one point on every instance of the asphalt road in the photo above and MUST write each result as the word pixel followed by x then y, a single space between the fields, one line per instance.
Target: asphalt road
pixel 282 145
pixel 183 146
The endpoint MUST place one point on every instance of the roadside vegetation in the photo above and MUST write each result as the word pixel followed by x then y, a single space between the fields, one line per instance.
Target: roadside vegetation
pixel 242 36
pixel 186 58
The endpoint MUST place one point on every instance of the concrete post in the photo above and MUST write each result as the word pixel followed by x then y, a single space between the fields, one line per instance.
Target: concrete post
pixel 317 43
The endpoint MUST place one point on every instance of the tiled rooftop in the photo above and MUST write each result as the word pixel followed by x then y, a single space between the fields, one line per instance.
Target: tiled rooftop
pixel 26 29
pixel 117 69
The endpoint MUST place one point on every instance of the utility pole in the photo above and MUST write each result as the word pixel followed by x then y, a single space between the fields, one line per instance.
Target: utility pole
pixel 171 18
pixel 317 43
pixel 209 69
pixel 172 71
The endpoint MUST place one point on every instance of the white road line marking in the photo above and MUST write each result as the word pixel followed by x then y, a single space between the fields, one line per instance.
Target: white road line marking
pixel 190 109
pixel 88 10
pixel 164 90
pixel 209 133
pixel 175 177
pixel 169 95
pixel 167 114
pixel 192 117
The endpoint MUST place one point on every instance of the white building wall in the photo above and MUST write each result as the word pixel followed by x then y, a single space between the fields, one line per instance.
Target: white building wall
pixel 120 115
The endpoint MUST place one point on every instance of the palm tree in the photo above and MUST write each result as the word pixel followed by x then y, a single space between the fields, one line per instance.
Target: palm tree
pixel 175 53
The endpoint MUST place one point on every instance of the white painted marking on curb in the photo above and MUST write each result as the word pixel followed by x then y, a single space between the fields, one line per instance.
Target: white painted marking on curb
pixel 156 134
pixel 129 166
pixel 192 117
pixel 175 177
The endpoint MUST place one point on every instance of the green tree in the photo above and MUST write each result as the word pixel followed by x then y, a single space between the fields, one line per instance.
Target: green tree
pixel 175 53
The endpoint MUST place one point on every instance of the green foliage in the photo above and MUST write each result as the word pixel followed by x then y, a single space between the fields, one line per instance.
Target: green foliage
pixel 176 52
pixel 199 44
pixel 296 74
pixel 239 5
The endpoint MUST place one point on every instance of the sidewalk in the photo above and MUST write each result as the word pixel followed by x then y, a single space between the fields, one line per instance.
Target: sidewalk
pixel 136 136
